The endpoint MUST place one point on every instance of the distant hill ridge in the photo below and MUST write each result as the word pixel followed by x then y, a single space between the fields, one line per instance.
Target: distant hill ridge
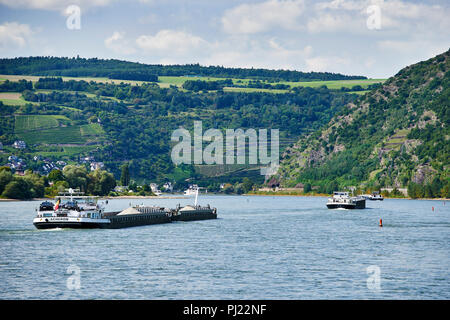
pixel 125 70
pixel 394 136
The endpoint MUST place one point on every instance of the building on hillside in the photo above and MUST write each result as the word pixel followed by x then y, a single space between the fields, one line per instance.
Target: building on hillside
pixel 154 187
pixel 19 144
pixel 120 188
pixel 168 186
pixel 97 165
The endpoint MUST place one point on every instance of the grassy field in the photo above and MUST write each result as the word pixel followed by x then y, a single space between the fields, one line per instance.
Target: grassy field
pixel 337 84
pixel 12 98
pixel 55 129
pixel 88 79
pixel 167 81
pixel 39 122
pixel 234 89
pixel 92 130
pixel 53 136
pixel 63 152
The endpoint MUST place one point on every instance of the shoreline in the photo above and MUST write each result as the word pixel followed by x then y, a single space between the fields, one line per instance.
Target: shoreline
pixel 245 194
pixel 326 195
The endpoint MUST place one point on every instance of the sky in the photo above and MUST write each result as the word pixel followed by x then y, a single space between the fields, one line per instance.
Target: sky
pixel 374 38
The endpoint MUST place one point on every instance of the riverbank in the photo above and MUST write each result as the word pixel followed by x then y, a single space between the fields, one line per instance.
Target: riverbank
pixel 146 197
pixel 106 198
pixel 327 195
pixel 246 194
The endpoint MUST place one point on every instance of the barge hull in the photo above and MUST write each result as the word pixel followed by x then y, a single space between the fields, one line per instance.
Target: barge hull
pixel 72 225
pixel 127 221
pixel 361 204
pixel 193 216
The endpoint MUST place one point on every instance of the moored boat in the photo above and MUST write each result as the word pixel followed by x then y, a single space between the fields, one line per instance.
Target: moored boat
pixel 374 196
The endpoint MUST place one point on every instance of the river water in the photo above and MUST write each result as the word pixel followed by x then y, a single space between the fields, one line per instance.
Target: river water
pixel 260 247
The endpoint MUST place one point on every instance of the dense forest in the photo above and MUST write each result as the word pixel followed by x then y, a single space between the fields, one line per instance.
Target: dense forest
pixel 125 70
pixel 136 121
pixel 394 136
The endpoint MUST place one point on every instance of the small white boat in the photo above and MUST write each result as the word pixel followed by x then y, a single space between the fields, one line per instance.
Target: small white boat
pixel 192 190
pixel 374 196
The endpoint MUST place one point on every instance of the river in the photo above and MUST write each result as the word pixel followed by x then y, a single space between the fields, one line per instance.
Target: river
pixel 260 247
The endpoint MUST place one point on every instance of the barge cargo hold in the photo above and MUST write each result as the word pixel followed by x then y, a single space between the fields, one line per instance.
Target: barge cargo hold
pixel 195 212
pixel 138 216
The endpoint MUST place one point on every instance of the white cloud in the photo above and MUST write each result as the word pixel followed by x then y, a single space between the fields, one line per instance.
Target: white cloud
pixel 56 5
pixel 119 44
pixel 13 34
pixel 171 43
pixel 265 16
pixel 397 16
pixel 327 22
pixel 329 64
pixel 262 53
pixel 423 48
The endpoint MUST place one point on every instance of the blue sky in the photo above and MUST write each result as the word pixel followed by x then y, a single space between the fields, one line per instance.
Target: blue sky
pixel 336 36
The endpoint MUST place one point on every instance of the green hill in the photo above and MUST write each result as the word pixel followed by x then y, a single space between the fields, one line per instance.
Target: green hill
pixel 126 70
pixel 131 122
pixel 393 136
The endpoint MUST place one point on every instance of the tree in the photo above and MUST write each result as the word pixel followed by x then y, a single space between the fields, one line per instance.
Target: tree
pixel 35 184
pixel 56 188
pixel 17 189
pixel 307 187
pixel 247 184
pixel 5 178
pixel 101 182
pixel 228 188
pixel 238 188
pixel 56 175
pixel 332 186
pixel 76 176
pixel 125 175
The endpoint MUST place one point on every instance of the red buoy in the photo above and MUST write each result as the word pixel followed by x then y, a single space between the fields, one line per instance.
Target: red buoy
pixel 432 208
pixel 381 223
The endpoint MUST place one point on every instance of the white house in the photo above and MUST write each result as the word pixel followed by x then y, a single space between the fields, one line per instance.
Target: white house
pixel 97 165
pixel 19 144
pixel 168 186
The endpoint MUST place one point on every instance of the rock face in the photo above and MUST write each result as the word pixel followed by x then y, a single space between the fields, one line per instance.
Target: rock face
pixel 424 174
pixel 391 136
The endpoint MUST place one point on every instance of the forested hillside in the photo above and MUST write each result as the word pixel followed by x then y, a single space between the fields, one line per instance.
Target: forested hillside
pixel 394 136
pixel 126 123
pixel 125 70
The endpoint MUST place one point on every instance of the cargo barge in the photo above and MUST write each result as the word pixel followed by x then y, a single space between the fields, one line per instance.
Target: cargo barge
pixel 342 200
pixel 74 210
